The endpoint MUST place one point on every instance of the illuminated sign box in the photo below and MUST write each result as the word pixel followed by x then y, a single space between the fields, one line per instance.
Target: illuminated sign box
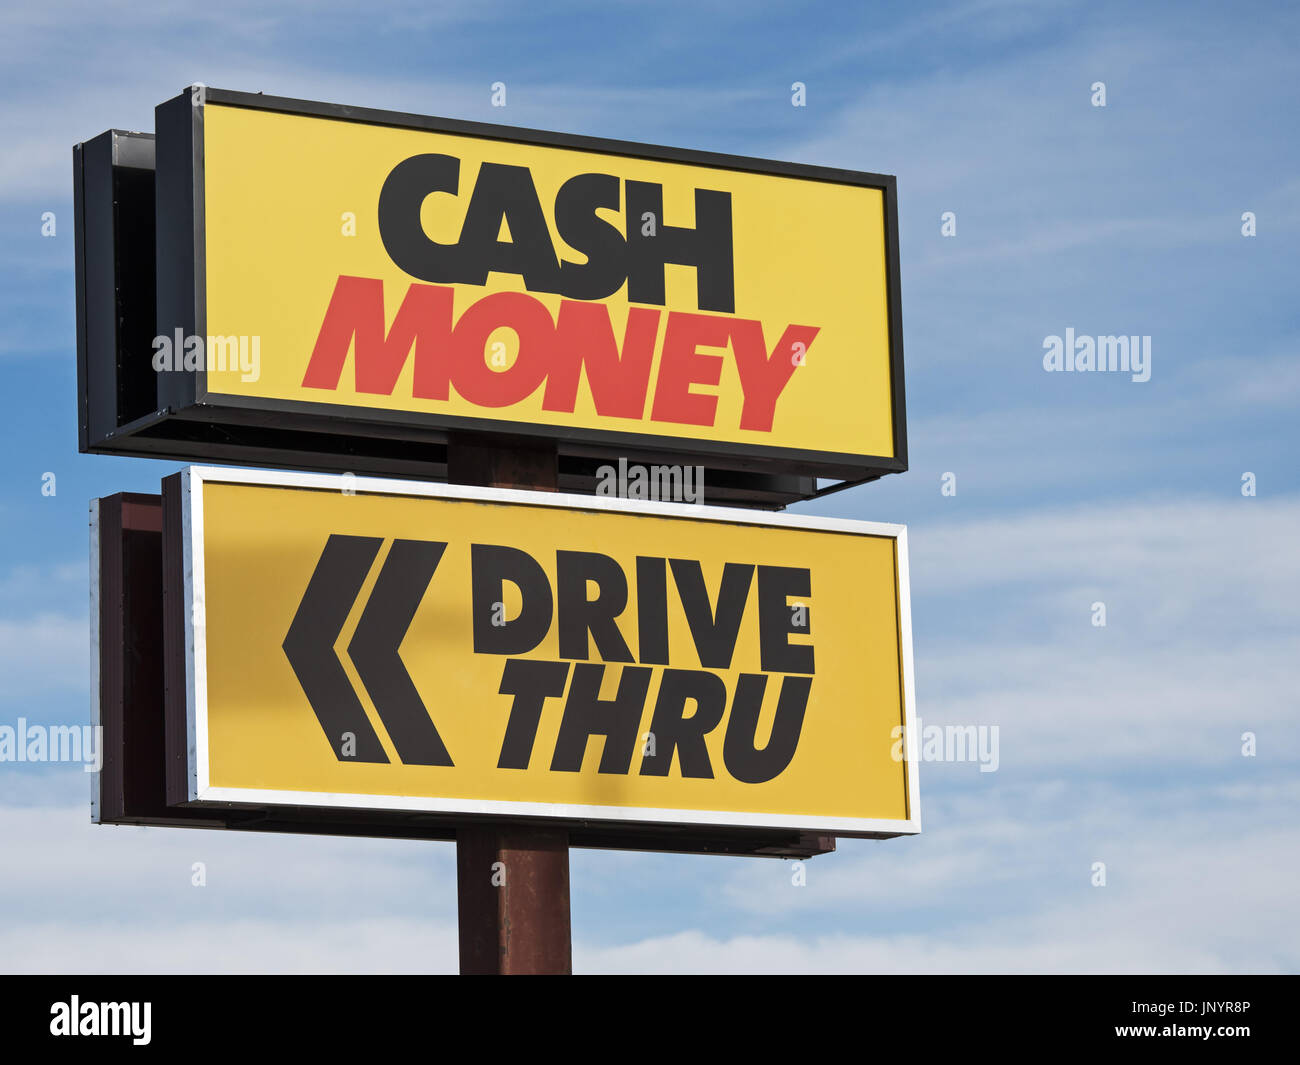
pixel 347 289
pixel 385 645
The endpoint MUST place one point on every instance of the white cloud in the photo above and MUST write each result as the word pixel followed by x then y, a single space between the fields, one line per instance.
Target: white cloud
pixel 366 945
pixel 1200 879
pixel 1179 566
pixel 1192 886
pixel 75 869
pixel 1203 615
pixel 43 653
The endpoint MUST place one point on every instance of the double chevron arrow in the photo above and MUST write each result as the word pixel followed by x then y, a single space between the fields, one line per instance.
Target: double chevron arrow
pixel 309 646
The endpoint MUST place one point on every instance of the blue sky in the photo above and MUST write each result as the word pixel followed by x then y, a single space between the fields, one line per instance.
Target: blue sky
pixel 1119 744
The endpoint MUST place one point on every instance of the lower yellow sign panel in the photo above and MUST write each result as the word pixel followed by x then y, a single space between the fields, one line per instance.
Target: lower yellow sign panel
pixel 388 645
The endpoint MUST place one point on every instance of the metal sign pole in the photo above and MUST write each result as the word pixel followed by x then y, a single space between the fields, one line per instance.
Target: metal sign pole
pixel 512 880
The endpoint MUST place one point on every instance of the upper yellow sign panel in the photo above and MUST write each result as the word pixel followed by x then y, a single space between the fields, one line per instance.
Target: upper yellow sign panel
pixel 483 280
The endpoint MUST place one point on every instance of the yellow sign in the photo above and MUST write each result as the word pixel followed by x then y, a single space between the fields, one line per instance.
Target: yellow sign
pixel 630 294
pixel 374 644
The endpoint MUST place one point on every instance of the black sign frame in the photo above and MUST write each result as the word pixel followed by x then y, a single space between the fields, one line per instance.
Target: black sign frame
pixel 183 420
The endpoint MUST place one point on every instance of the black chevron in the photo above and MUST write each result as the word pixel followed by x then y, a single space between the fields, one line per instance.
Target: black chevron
pixel 309 645
pixel 397 593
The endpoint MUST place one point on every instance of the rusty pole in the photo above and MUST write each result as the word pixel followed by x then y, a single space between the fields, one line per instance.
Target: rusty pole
pixel 512 879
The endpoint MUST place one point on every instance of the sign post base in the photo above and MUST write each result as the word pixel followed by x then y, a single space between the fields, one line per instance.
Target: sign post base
pixel 512 892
